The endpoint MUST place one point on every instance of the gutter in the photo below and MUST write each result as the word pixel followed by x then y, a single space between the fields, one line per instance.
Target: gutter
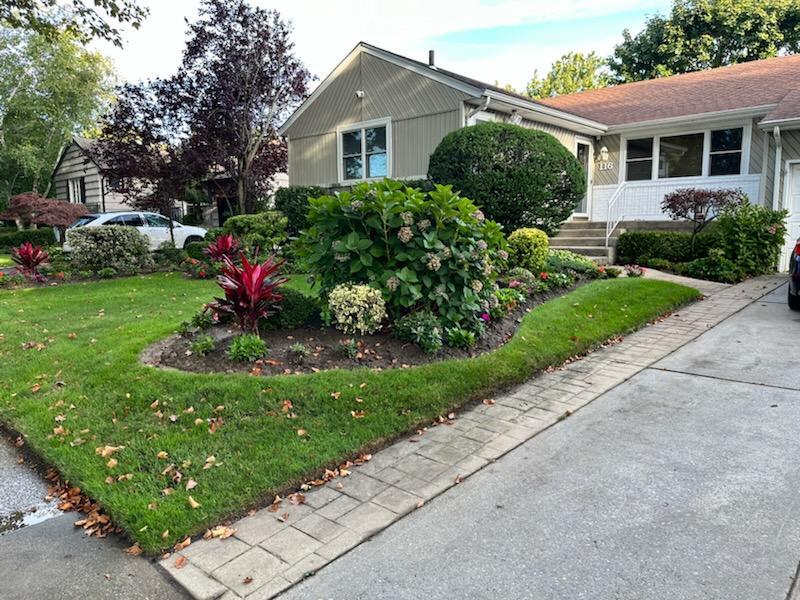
pixel 776 133
pixel 594 127
pixel 476 109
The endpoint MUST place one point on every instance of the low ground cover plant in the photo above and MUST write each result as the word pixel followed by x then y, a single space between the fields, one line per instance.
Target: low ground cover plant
pixel 422 328
pixel 247 347
pixel 91 363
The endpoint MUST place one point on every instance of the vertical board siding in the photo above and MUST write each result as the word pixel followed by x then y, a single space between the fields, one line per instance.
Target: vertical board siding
pixel 312 160
pixel 756 149
pixel 790 141
pixel 416 139
pixel 422 112
pixel 610 176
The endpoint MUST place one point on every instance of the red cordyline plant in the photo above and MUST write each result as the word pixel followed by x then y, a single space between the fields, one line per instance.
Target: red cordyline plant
pixel 30 259
pixel 250 290
pixel 225 246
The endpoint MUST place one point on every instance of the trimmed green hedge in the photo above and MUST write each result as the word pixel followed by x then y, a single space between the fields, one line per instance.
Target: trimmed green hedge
pixel 12 238
pixel 675 246
pixel 293 203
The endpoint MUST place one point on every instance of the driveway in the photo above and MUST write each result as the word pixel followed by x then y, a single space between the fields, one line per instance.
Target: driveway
pixel 681 483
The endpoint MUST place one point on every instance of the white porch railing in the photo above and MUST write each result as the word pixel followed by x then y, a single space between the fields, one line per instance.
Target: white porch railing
pixel 641 200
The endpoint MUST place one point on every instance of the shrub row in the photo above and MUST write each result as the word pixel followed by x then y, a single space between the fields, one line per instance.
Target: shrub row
pixel 675 246
pixel 11 238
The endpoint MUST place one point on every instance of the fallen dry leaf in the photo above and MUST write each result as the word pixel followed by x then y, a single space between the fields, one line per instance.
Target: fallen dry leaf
pixel 193 503
pixel 221 532
pixel 134 550
pixel 106 451
pixel 301 432
pixel 184 544
pixel 488 402
pixel 181 562
pixel 162 455
pixel 247 580
pixel 191 484
pixel 112 462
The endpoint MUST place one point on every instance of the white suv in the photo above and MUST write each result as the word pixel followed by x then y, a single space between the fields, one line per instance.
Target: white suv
pixel 153 225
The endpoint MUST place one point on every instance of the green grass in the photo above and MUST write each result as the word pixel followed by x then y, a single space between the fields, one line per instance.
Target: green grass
pixel 95 382
pixel 5 260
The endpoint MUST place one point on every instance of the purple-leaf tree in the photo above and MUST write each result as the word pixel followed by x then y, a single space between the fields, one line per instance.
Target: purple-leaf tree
pixel 699 206
pixel 239 80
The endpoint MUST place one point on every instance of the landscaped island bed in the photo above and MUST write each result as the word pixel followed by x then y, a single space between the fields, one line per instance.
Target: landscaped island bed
pixel 72 384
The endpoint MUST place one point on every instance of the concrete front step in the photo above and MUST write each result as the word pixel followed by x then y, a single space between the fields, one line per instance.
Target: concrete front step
pixel 562 241
pixel 571 225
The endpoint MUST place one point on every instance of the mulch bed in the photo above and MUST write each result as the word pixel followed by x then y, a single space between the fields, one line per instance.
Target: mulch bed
pixel 380 351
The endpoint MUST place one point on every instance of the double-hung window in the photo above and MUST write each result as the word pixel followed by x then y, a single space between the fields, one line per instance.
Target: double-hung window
pixel 365 151
pixel 76 190
pixel 697 154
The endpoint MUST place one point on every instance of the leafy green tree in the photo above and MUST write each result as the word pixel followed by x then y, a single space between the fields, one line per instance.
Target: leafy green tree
pixel 50 89
pixel 703 34
pixel 84 19
pixel 573 72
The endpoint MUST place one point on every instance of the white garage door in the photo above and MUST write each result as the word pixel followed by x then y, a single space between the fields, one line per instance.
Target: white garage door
pixel 793 221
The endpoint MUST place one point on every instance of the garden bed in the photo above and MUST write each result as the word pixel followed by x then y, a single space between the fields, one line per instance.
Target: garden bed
pixel 379 351
pixel 79 388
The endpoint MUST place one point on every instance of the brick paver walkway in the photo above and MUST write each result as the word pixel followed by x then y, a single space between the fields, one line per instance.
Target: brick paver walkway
pixel 267 554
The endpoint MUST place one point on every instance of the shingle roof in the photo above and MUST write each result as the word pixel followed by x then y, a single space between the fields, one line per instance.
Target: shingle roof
pixel 746 85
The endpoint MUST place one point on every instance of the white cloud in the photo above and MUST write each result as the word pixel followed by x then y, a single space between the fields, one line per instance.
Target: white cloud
pixel 326 31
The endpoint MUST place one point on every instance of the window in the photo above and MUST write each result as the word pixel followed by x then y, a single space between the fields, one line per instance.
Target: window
pixel 364 151
pixel 698 154
pixel 130 220
pixel 156 220
pixel 680 156
pixel 76 190
pixel 639 159
pixel 726 152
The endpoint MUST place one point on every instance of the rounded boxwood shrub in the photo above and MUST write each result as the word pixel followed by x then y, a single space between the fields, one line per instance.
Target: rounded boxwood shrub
pixel 424 250
pixel 520 177
pixel 295 310
pixel 123 249
pixel 195 250
pixel 714 267
pixel 265 230
pixel 527 248
pixel 292 201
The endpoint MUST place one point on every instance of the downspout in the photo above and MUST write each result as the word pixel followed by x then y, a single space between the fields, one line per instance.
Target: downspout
pixel 477 109
pixel 776 133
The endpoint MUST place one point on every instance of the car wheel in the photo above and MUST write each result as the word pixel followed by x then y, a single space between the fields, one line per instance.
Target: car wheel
pixel 190 239
pixel 794 301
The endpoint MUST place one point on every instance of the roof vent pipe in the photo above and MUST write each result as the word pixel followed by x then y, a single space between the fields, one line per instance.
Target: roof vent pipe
pixel 430 59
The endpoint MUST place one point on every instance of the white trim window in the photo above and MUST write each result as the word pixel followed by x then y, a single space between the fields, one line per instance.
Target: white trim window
pixel 704 153
pixel 364 151
pixel 76 190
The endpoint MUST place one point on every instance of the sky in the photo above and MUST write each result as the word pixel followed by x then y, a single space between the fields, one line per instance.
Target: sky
pixel 489 40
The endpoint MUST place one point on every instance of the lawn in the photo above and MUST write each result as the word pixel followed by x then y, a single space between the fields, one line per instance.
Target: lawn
pixel 84 376
pixel 5 260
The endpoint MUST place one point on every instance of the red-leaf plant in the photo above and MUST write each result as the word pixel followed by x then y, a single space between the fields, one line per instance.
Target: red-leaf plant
pixel 250 290
pixel 222 247
pixel 30 258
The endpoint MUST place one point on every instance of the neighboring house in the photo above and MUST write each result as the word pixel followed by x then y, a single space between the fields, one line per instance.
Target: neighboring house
pixel 80 180
pixel 379 114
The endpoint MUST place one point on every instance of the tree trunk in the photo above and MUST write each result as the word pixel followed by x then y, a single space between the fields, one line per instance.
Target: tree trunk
pixel 241 192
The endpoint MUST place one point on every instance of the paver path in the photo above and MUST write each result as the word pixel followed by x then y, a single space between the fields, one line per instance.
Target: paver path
pixel 267 555
pixel 679 484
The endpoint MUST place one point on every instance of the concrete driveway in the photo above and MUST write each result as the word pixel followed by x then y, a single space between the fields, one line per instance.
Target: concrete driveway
pixel 681 483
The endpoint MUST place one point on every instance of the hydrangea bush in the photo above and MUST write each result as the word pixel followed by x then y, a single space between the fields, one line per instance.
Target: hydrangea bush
pixel 423 250
pixel 123 249
pixel 356 309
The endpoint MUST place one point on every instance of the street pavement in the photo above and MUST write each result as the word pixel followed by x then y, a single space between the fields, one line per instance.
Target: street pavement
pixel 681 483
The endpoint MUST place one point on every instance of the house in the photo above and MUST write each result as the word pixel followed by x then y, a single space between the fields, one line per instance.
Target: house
pixel 78 178
pixel 379 114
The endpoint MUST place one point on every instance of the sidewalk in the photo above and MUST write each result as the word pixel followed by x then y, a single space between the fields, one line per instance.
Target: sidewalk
pixel 268 555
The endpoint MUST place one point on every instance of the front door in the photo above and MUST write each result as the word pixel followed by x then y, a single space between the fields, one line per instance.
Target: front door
pixel 583 151
pixel 793 220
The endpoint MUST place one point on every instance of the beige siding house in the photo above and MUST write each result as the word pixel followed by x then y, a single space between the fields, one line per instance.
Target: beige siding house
pixel 379 115
pixel 78 179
